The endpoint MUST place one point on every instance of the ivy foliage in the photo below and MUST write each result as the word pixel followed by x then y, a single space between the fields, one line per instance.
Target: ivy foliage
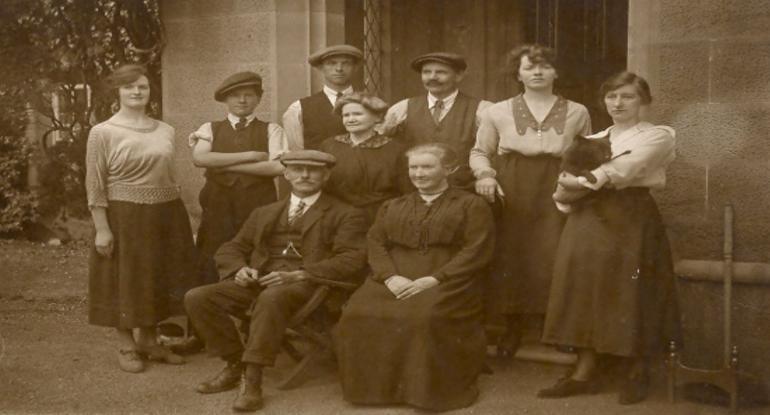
pixel 55 53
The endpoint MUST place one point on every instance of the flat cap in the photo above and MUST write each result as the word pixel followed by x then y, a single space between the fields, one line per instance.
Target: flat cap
pixel 238 80
pixel 308 158
pixel 335 50
pixel 457 62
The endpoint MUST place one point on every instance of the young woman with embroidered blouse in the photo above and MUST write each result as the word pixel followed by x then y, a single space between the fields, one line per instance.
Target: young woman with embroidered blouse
pixel 370 167
pixel 613 289
pixel 516 159
pixel 143 249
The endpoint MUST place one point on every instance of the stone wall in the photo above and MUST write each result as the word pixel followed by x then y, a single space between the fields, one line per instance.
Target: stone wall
pixel 207 40
pixel 708 63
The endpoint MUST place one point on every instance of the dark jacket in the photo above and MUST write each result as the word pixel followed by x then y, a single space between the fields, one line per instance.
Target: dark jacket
pixel 333 240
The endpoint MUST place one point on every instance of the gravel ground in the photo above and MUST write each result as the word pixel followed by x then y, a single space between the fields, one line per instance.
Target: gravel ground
pixel 52 361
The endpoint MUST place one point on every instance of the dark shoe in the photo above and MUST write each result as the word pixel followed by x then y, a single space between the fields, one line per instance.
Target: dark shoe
pixel 130 361
pixel 569 387
pixel 188 346
pixel 249 398
pixel 634 390
pixel 161 354
pixel 225 380
pixel 507 345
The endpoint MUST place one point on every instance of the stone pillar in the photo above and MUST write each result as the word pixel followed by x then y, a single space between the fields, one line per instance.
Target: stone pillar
pixel 207 40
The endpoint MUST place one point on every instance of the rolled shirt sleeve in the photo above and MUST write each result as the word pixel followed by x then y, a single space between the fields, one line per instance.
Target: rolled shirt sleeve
pixel 203 132
pixel 276 141
pixel 394 118
pixel 292 126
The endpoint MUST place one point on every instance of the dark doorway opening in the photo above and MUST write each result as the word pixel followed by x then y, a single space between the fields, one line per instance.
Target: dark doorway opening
pixel 590 36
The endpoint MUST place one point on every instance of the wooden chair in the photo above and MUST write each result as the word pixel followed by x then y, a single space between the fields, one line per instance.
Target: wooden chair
pixel 310 327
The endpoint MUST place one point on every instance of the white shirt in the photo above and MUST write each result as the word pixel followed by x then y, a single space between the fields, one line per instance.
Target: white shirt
pixel 649 150
pixel 277 143
pixel 308 200
pixel 332 94
pixel 396 114
pixel 234 119
pixel 448 102
pixel 292 119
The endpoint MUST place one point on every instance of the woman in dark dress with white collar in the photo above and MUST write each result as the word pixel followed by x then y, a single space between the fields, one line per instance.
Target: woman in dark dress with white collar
pixel 413 334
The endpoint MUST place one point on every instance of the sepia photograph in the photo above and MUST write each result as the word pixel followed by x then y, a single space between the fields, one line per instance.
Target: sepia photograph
pixel 493 207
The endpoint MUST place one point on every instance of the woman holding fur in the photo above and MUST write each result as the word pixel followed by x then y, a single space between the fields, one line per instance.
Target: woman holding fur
pixel 143 248
pixel 516 159
pixel 613 285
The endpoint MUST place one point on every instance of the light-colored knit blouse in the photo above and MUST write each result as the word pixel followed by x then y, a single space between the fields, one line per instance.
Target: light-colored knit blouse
pixel 130 164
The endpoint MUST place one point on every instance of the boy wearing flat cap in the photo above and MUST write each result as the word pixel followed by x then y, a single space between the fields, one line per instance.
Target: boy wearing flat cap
pixel 445 114
pixel 272 267
pixel 310 120
pixel 240 156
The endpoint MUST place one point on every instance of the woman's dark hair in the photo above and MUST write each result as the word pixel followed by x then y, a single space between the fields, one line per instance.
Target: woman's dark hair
pixel 372 103
pixel 536 54
pixel 445 154
pixel 124 75
pixel 622 79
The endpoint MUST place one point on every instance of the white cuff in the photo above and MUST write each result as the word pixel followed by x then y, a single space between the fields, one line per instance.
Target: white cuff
pixel 601 179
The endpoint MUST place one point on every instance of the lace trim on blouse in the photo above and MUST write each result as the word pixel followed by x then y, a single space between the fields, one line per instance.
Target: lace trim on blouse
pixel 376 141
pixel 556 118
pixel 143 195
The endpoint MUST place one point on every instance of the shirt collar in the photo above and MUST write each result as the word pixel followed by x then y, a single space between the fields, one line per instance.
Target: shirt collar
pixel 332 94
pixel 234 119
pixel 309 200
pixel 448 101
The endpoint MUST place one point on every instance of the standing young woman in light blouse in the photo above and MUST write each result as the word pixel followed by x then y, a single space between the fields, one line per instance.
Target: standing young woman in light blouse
pixel 613 288
pixel 517 158
pixel 143 249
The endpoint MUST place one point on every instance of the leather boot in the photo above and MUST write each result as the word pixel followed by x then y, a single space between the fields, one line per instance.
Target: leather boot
pixel 227 379
pixel 249 398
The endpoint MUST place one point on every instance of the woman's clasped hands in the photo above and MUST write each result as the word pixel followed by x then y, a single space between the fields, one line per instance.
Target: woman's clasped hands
pixel 404 288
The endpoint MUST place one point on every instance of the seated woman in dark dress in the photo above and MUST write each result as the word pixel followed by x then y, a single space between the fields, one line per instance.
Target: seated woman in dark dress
pixel 370 167
pixel 413 333
pixel 613 284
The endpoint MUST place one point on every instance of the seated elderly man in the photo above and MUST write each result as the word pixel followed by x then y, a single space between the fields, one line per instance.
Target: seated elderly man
pixel 272 267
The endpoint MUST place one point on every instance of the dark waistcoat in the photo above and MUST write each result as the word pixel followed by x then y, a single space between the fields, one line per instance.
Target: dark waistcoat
pixel 228 140
pixel 318 121
pixel 457 129
pixel 282 239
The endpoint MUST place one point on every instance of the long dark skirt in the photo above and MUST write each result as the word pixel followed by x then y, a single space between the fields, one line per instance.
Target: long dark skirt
pixel 529 227
pixel 426 351
pixel 151 268
pixel 613 288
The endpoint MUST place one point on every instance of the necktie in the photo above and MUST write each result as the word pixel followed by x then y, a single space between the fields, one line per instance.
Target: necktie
pixel 296 213
pixel 438 107
pixel 241 124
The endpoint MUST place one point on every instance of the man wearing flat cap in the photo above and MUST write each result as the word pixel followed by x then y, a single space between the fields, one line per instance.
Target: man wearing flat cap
pixel 272 267
pixel 444 114
pixel 310 120
pixel 240 156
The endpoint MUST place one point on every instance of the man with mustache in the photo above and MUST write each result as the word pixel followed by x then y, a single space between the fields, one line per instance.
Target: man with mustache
pixel 309 121
pixel 272 267
pixel 240 156
pixel 445 114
